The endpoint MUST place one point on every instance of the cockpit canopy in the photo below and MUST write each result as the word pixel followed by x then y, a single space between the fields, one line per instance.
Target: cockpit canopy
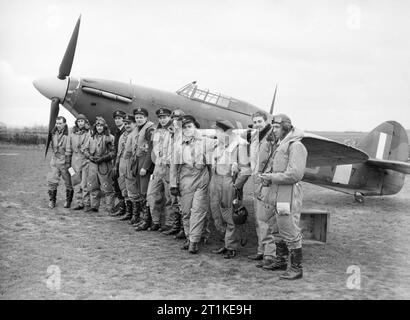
pixel 192 92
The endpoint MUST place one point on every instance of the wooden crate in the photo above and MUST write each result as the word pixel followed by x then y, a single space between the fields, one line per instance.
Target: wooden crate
pixel 315 225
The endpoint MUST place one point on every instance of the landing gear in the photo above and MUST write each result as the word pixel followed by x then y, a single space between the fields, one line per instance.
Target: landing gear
pixel 359 197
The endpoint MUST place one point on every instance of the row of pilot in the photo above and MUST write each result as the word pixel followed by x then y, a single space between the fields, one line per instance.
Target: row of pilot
pixel 170 178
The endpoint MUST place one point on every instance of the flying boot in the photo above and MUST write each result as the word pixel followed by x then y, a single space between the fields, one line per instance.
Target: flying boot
pixel 146 219
pixel 193 247
pixel 128 211
pixel 176 227
pixel 118 209
pixel 52 194
pixel 280 261
pixel 136 212
pixel 296 270
pixel 69 193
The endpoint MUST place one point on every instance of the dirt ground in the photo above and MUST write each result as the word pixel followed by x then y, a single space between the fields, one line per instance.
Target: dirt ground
pixel 100 257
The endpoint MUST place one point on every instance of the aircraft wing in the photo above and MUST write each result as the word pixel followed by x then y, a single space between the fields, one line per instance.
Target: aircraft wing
pixel 326 152
pixel 399 166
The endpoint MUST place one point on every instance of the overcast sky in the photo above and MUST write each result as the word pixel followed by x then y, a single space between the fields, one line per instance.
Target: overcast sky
pixel 339 65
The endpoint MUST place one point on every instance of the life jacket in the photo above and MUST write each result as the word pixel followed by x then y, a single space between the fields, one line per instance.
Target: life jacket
pixel 259 149
pixel 121 145
pixel 142 144
pixel 161 149
pixel 59 145
pixel 278 162
pixel 101 145
pixel 78 139
pixel 224 156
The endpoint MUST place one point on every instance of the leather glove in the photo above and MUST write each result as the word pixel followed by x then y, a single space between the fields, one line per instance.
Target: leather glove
pixel 174 191
pixel 105 158
pixel 93 159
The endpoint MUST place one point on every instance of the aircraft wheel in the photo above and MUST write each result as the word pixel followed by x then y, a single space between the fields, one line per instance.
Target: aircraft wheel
pixel 359 197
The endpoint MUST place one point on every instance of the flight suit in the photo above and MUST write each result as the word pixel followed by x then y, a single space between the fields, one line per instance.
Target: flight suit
pixel 190 174
pixel 158 194
pixel 117 189
pixel 58 167
pixel 77 141
pixel 138 150
pixel 99 174
pixel 221 188
pixel 283 198
pixel 260 150
pixel 121 162
pixel 138 153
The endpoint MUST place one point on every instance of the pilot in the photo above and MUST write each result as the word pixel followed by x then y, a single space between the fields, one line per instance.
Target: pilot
pixel 100 152
pixel 59 163
pixel 158 195
pixel 282 196
pixel 121 165
pixel 77 141
pixel 260 150
pixel 176 130
pixel 189 178
pixel 118 116
pixel 138 150
pixel 230 170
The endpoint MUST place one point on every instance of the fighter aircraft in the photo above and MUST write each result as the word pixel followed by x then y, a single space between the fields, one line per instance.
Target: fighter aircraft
pixel 376 167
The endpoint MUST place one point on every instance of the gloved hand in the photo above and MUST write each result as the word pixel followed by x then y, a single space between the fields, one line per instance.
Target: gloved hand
pixel 103 159
pixel 174 191
pixel 93 159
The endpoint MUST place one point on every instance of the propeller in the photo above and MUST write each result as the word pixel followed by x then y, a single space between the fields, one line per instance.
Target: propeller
pixel 273 101
pixel 54 109
pixel 67 62
pixel 64 72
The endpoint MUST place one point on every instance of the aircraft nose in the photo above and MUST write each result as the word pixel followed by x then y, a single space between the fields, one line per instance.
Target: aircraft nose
pixel 52 87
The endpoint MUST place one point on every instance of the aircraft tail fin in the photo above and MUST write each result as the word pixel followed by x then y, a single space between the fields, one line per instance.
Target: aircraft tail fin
pixel 388 142
pixel 388 149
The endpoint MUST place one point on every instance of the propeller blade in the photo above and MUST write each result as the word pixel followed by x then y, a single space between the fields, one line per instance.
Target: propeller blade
pixel 273 101
pixel 54 109
pixel 67 62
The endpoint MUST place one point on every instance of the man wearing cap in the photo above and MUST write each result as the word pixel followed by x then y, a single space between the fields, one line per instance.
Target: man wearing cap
pixel 282 196
pixel 59 163
pixel 121 165
pixel 138 152
pixel 158 195
pixel 100 152
pixel 77 141
pixel 230 170
pixel 118 116
pixel 176 137
pixel 189 178
pixel 260 149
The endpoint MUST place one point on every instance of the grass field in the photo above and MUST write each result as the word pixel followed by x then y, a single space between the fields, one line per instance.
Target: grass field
pixel 102 258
